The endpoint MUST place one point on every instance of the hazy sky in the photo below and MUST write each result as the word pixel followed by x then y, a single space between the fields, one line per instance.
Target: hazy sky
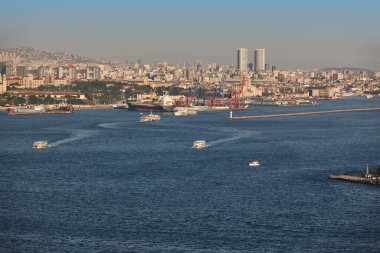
pixel 295 33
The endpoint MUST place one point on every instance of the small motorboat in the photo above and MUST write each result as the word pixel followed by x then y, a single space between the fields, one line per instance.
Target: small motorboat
pixel 150 117
pixel 199 144
pixel 40 144
pixel 255 163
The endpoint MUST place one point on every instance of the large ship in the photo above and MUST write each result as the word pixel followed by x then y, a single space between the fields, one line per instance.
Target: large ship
pixel 165 104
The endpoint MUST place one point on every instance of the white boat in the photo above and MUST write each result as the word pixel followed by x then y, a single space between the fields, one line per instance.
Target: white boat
pixel 369 96
pixel 255 163
pixel 150 117
pixel 40 144
pixel 199 144
pixel 200 108
pixel 220 108
pixel 185 112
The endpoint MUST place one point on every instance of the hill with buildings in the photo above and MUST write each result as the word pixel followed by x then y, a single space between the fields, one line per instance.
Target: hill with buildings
pixel 27 55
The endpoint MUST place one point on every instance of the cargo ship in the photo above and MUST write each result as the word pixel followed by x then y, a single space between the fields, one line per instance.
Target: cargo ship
pixel 165 104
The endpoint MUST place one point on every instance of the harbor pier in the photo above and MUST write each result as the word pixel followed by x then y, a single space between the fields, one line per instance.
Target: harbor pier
pixel 371 176
pixel 303 113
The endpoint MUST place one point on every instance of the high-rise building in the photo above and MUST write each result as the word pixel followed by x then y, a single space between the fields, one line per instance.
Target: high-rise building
pixel 6 68
pixel 242 59
pixel 266 66
pixel 190 74
pixel 72 72
pixel 259 59
pixel 93 73
pixel 21 71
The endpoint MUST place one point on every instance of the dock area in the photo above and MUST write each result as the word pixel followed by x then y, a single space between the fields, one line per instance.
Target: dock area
pixel 303 113
pixel 357 179
pixel 40 112
pixel 371 176
pixel 92 107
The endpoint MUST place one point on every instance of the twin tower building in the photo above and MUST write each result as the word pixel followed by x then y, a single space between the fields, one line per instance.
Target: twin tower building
pixel 243 59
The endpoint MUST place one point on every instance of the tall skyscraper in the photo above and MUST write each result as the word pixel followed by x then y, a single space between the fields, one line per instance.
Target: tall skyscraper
pixel 242 59
pixel 259 59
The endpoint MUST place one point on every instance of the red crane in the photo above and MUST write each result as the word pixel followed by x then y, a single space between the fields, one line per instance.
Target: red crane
pixel 242 83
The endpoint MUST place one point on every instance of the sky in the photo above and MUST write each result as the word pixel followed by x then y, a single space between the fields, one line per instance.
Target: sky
pixel 297 34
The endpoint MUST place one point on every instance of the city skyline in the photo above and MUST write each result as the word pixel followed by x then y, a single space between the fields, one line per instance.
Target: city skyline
pixel 296 35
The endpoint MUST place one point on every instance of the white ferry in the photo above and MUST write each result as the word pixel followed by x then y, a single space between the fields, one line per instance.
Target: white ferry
pixel 255 163
pixel 199 144
pixel 150 117
pixel 185 112
pixel 40 144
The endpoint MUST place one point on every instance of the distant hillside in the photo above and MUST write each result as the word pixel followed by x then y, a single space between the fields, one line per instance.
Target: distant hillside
pixel 28 55
pixel 340 69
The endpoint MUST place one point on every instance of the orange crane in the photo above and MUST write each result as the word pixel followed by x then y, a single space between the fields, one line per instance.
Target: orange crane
pixel 242 83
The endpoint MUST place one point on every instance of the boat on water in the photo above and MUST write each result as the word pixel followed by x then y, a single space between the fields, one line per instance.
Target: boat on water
pixel 150 117
pixel 185 112
pixel 40 144
pixel 220 108
pixel 255 163
pixel 120 106
pixel 37 109
pixel 199 144
pixel 164 104
pixel 200 108
pixel 369 96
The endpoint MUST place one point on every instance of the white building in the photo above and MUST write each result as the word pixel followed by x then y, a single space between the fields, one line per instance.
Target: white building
pixel 93 73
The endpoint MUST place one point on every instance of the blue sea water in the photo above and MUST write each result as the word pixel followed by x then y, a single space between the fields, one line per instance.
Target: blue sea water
pixel 112 184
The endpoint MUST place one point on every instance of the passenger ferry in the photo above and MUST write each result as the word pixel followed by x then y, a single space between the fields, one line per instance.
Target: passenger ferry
pixel 40 144
pixel 199 144
pixel 185 112
pixel 150 117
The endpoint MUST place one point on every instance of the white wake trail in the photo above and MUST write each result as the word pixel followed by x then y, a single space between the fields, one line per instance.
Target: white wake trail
pixel 114 125
pixel 76 135
pixel 236 135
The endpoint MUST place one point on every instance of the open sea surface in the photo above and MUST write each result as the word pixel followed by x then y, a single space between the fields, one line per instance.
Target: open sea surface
pixel 111 184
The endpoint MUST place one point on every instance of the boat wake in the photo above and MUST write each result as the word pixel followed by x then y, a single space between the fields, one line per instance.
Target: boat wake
pixel 76 136
pixel 115 125
pixel 233 133
pixel 236 135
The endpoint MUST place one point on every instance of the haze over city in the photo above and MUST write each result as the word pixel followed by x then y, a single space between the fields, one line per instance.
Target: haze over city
pixel 189 126
pixel 295 34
